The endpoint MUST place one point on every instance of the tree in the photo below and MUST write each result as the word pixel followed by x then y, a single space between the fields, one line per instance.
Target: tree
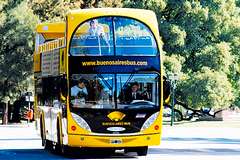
pixel 196 35
pixel 206 88
pixel 215 56
pixel 173 64
pixel 55 10
pixel 16 48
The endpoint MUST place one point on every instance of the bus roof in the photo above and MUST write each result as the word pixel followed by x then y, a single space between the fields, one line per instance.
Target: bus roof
pixel 77 16
pixel 142 14
pixel 138 13
pixel 51 30
pixel 103 11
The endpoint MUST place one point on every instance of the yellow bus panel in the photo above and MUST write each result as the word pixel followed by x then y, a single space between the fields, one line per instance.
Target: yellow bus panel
pixel 37 62
pixel 51 30
pixel 110 141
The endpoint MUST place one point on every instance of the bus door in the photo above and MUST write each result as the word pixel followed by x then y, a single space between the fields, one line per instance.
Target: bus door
pixel 51 105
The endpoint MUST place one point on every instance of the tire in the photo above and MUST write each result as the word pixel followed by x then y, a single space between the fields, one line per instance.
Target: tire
pixel 59 147
pixel 142 151
pixel 107 152
pixel 177 115
pixel 48 145
pixel 41 132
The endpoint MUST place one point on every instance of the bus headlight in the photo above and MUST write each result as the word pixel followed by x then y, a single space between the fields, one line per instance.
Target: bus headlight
pixel 149 121
pixel 81 122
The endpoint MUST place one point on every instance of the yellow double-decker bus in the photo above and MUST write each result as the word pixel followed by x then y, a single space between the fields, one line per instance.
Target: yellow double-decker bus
pixel 98 81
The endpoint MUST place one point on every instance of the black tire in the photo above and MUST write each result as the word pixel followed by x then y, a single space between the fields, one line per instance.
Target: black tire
pixel 48 145
pixel 60 148
pixel 108 151
pixel 142 151
pixel 177 115
pixel 41 132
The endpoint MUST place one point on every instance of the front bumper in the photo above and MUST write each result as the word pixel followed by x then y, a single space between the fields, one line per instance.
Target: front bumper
pixel 75 140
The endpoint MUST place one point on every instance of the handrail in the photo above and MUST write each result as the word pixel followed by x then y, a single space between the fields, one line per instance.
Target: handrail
pixel 51 45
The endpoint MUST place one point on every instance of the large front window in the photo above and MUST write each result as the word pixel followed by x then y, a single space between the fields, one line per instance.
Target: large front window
pixel 122 91
pixel 113 36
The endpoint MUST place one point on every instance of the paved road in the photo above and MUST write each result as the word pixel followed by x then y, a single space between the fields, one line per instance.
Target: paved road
pixel 21 142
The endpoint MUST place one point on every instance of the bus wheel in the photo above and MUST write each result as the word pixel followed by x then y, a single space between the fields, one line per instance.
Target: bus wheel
pixel 142 151
pixel 107 151
pixel 60 148
pixel 41 133
pixel 48 145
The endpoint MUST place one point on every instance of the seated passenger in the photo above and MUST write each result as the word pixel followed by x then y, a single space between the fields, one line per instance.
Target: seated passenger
pixel 95 91
pixel 79 90
pixel 79 94
pixel 146 94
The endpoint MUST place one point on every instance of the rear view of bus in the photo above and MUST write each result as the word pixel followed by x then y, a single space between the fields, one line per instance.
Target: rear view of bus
pixel 114 79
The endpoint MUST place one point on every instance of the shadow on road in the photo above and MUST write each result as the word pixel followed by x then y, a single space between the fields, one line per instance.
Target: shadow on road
pixel 98 154
pixel 197 151
pixel 20 139
pixel 204 140
pixel 23 154
pixel 38 154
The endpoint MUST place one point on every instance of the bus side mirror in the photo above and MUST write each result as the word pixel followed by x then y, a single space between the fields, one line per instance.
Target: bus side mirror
pixel 63 88
pixel 166 90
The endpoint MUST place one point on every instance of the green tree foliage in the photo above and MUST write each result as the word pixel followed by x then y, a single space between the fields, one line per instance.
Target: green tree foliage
pixel 206 88
pixel 156 5
pixel 205 33
pixel 217 57
pixel 55 10
pixel 2 14
pixel 201 43
pixel 173 64
pixel 50 10
pixel 16 48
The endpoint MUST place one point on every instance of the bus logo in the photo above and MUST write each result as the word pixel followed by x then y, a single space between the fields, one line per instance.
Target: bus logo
pixel 116 116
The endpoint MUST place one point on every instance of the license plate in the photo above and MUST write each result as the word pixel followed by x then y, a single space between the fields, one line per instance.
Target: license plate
pixel 115 141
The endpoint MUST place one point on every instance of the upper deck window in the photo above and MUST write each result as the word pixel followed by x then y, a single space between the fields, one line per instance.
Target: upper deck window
pixel 113 36
pixel 93 38
pixel 133 38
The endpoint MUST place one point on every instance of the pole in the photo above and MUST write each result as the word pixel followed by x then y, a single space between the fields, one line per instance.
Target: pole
pixel 173 102
pixel 5 114
pixel 29 107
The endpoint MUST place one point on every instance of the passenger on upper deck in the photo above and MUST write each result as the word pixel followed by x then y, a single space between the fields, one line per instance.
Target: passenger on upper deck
pixel 97 30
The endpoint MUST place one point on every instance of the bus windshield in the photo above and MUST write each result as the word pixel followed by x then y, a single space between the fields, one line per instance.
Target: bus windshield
pixel 109 91
pixel 113 36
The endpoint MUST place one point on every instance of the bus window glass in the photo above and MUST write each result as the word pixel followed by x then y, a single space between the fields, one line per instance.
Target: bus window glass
pixel 133 38
pixel 93 38
pixel 39 39
pixel 92 90
pixel 50 91
pixel 138 90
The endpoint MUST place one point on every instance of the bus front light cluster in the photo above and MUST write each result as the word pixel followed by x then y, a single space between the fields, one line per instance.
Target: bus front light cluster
pixel 149 121
pixel 81 122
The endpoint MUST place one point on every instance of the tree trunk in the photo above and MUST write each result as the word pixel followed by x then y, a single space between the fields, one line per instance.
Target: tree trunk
pixel 5 114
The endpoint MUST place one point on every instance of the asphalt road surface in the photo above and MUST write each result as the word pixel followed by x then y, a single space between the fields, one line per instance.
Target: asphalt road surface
pixel 20 142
